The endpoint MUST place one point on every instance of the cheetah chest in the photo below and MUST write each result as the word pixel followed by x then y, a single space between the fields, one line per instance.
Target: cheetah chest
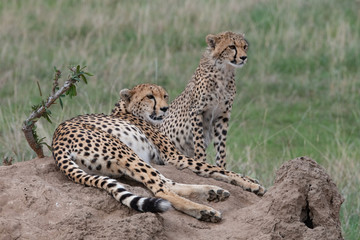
pixel 210 117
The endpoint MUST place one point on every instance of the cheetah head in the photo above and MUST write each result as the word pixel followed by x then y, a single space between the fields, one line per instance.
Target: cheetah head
pixel 228 48
pixel 148 101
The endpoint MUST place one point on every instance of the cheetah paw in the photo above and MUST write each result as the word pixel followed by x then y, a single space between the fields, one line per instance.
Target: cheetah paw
pixel 250 185
pixel 219 195
pixel 257 189
pixel 260 191
pixel 210 216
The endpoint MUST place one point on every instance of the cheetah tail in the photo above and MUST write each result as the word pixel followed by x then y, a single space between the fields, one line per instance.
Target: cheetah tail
pixel 141 204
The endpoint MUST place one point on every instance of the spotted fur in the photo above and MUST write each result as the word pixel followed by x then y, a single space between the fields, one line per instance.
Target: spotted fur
pixel 91 149
pixel 201 113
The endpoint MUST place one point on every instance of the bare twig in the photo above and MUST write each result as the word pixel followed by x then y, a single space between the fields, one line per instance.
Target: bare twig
pixel 56 81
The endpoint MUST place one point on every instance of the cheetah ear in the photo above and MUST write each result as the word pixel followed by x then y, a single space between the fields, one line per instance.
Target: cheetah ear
pixel 211 40
pixel 125 95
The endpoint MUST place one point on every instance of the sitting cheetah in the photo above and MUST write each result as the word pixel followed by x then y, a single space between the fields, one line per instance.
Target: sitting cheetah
pixel 90 149
pixel 202 110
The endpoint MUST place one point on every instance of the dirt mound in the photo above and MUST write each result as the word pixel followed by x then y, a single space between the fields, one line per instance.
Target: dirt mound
pixel 38 202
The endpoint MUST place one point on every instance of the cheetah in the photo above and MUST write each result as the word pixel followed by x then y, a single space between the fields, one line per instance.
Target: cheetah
pixel 201 112
pixel 95 149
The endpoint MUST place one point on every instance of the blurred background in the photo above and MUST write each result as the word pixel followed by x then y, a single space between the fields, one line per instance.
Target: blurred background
pixel 297 95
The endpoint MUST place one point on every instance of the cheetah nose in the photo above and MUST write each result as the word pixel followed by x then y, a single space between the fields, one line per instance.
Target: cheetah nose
pixel 164 109
pixel 243 58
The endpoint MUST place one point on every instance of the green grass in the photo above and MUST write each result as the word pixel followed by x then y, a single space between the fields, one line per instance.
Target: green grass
pixel 298 95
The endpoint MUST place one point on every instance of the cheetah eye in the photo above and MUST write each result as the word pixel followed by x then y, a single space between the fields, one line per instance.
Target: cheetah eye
pixel 166 96
pixel 245 47
pixel 232 47
pixel 150 96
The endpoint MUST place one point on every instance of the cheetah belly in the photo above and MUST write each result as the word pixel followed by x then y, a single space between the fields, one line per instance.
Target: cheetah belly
pixel 143 148
pixel 135 139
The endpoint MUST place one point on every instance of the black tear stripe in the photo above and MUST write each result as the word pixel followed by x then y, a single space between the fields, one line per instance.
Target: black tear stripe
pixel 235 55
pixel 154 105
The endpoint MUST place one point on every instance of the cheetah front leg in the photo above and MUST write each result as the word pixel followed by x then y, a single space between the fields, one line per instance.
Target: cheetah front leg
pixel 197 120
pixel 196 210
pixel 206 170
pixel 220 133
pixel 207 192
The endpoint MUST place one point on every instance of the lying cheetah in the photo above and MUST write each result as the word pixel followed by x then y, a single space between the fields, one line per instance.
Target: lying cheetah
pixel 202 110
pixel 90 149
